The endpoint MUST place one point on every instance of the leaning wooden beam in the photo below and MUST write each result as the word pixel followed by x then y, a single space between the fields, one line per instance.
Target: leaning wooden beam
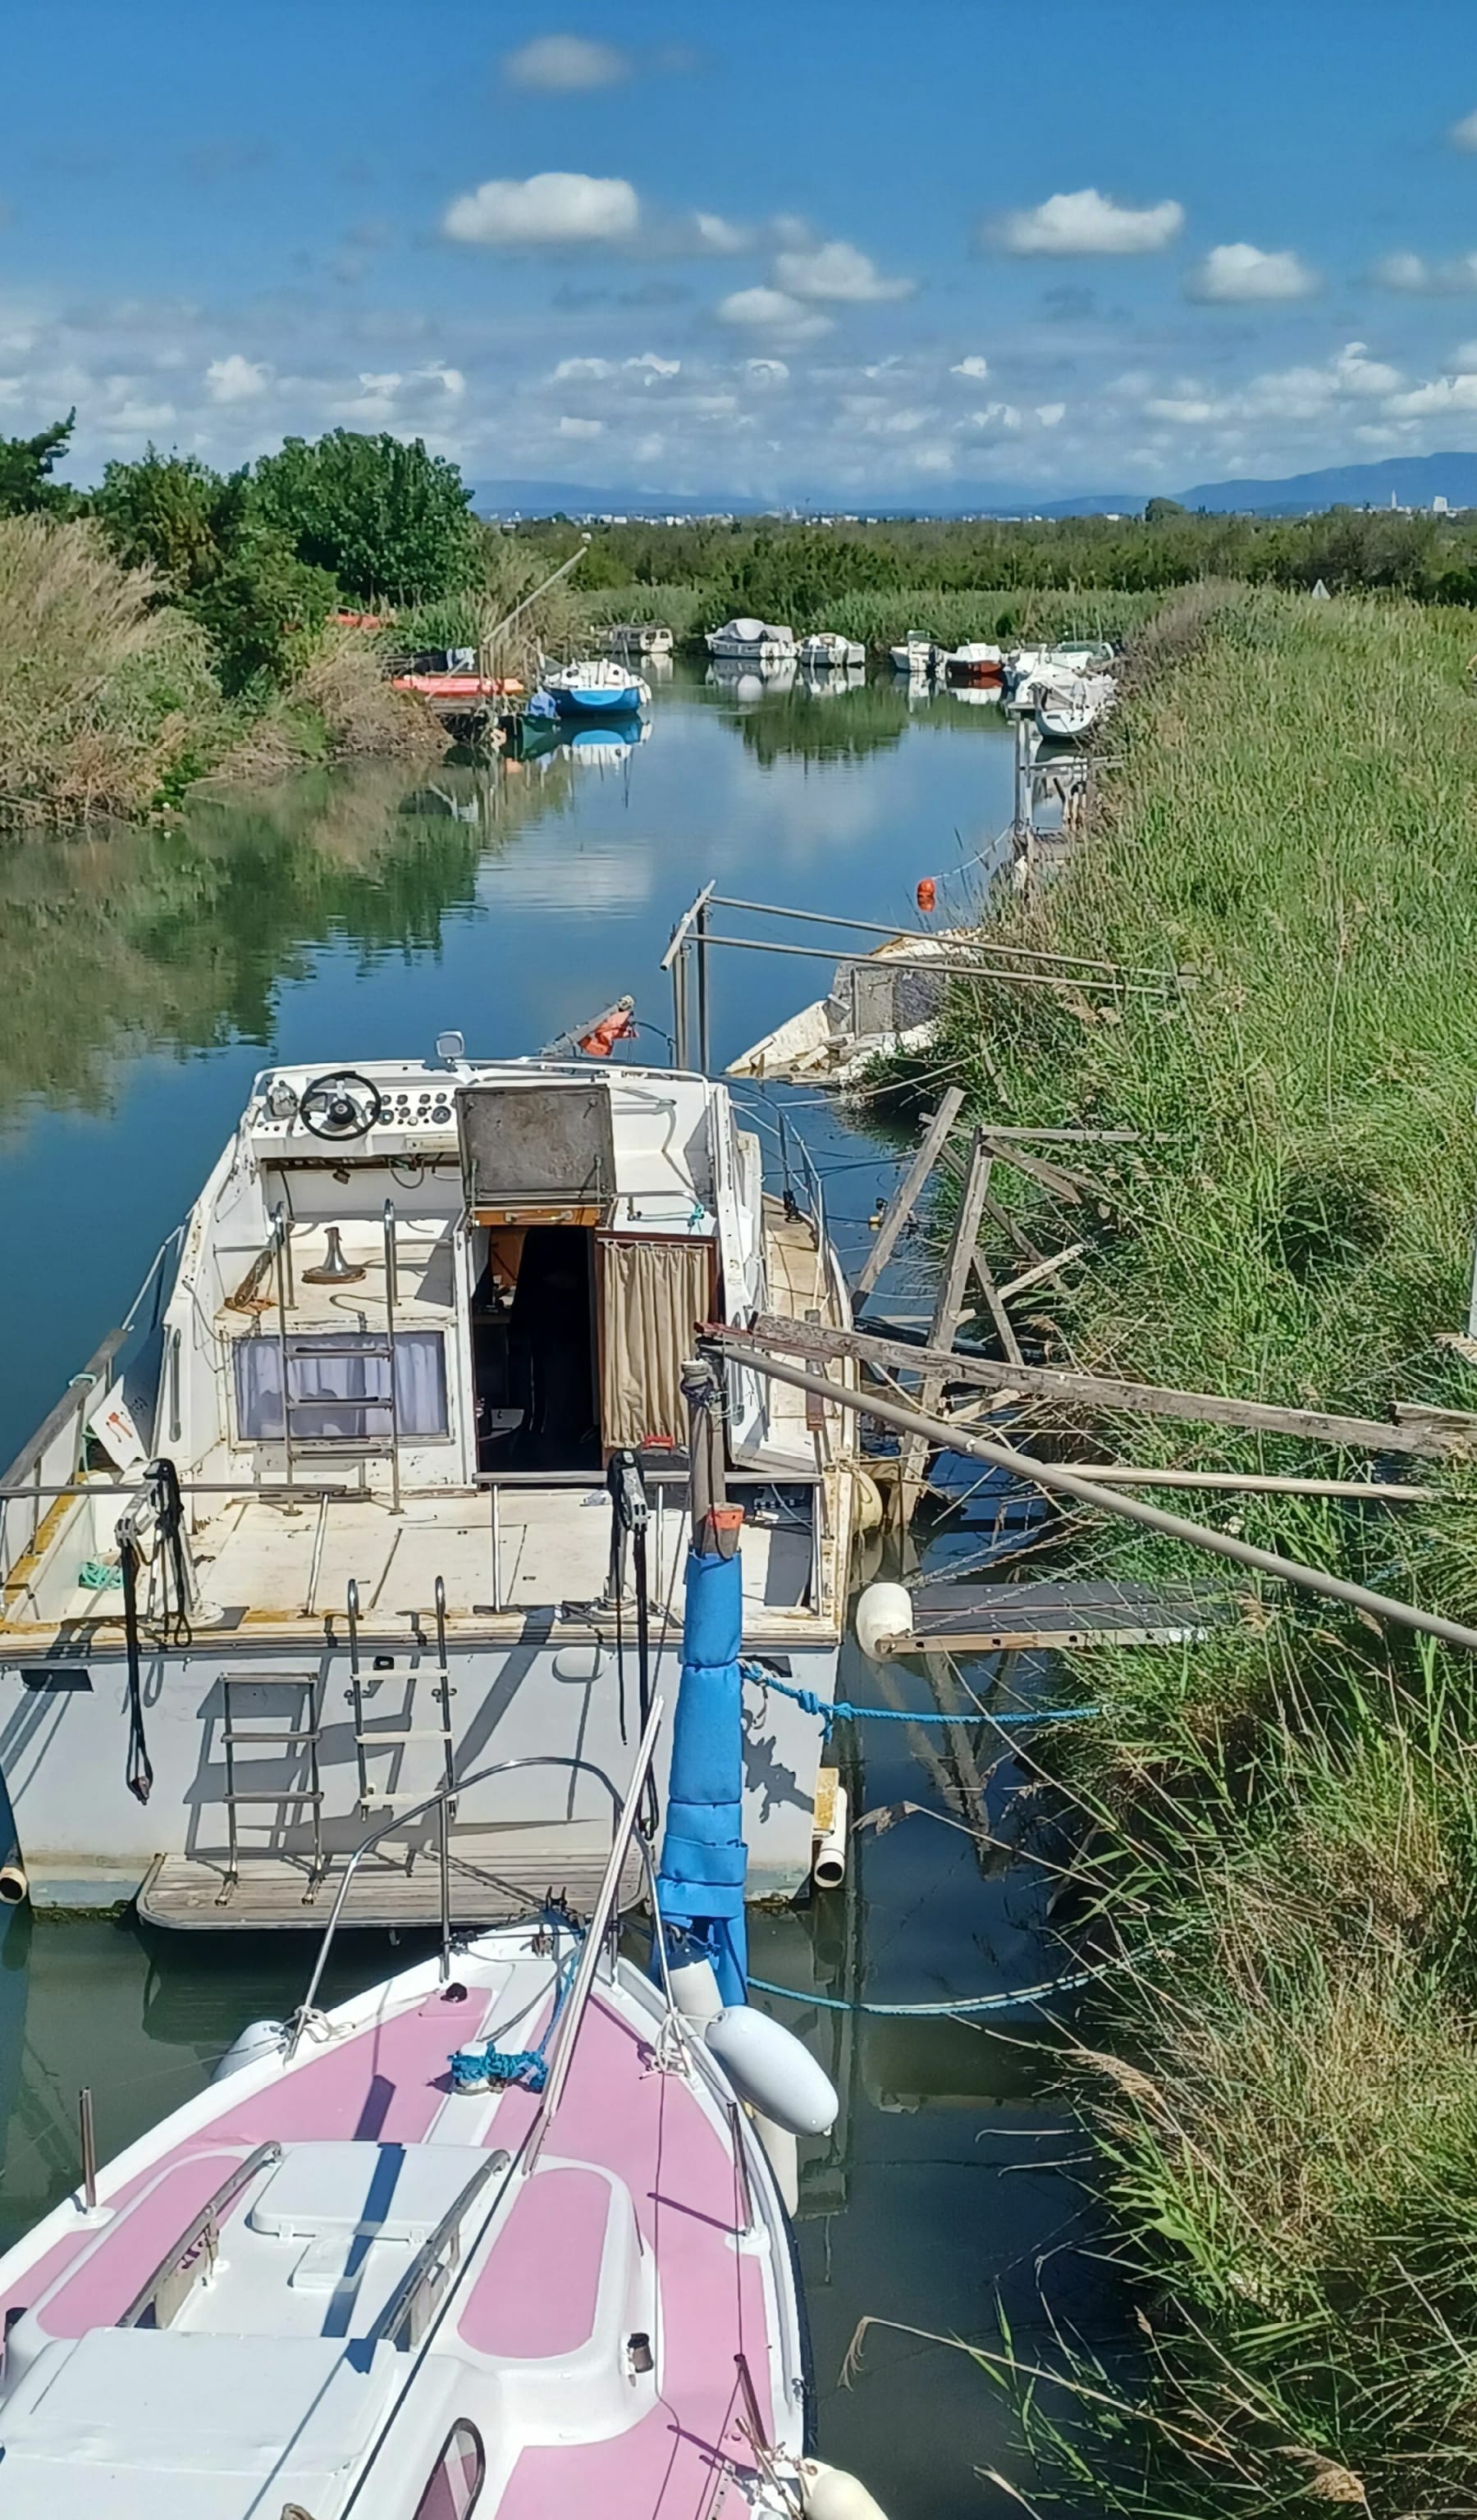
pixel 949 1312
pixel 1113 1474
pixel 1056 1479
pixel 1043 1269
pixel 1003 1325
pixel 911 1190
pixel 1423 1438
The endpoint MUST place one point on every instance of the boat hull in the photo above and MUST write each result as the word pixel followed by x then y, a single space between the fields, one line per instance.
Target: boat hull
pixel 620 700
pixel 87 1843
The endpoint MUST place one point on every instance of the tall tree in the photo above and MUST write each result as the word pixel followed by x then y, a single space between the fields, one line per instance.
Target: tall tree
pixel 388 519
pixel 27 489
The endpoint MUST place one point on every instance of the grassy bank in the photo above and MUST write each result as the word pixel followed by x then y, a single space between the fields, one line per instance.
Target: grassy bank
pixel 1283 1822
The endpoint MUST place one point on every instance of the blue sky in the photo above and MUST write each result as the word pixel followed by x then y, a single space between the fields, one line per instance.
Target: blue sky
pixel 824 252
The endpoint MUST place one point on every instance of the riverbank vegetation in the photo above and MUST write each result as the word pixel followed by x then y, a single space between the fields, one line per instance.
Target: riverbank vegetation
pixel 1280 1822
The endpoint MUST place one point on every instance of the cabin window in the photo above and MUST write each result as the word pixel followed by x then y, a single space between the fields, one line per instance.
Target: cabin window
pixel 456 2480
pixel 339 1384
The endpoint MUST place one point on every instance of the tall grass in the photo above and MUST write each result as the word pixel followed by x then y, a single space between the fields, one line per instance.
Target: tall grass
pixel 884 620
pixel 339 706
pixel 1283 1822
pixel 108 702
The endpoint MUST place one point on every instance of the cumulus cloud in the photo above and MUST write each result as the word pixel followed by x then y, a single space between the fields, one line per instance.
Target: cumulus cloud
pixel 1242 275
pixel 1457 393
pixel 974 366
pixel 1464 134
pixel 836 271
pixel 546 210
pixel 1051 414
pixel 582 370
pixel 560 64
pixel 572 427
pixel 652 367
pixel 1086 222
pixel 1358 374
pixel 1416 277
pixel 719 236
pixel 237 380
pixel 767 372
pixel 773 310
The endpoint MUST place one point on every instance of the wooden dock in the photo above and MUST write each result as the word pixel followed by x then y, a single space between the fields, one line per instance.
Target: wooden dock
pixel 494 1881
pixel 1020 1618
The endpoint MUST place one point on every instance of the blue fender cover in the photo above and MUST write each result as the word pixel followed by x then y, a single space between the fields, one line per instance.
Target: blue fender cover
pixel 700 1882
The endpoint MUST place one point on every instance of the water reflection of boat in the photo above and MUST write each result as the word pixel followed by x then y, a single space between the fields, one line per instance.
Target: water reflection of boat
pixel 826 682
pixel 750 683
pixel 615 740
pixel 975 695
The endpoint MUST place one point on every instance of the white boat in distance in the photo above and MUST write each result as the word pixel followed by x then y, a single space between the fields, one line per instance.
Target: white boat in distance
pixel 556 2277
pixel 977 661
pixel 831 648
pixel 420 1310
pixel 1067 709
pixel 1069 658
pixel 640 638
pixel 594 687
pixel 917 654
pixel 746 640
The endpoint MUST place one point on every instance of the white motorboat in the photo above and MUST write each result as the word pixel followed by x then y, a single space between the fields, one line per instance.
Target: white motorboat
pixel 1067 709
pixel 747 641
pixel 496 2235
pixel 831 649
pixel 344 1521
pixel 977 661
pixel 916 655
pixel 640 638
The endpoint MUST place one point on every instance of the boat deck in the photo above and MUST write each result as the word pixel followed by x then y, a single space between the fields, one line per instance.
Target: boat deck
pixel 497 1875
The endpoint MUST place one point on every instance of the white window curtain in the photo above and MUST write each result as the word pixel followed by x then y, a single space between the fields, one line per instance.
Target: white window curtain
pixel 339 1388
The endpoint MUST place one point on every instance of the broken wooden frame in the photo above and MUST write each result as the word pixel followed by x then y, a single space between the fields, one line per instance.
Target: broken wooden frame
pixel 750 1348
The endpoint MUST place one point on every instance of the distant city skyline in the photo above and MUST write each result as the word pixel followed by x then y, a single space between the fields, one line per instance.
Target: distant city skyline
pixel 821 257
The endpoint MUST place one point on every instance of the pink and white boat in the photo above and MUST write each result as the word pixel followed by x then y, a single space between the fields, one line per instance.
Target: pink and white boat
pixel 369 2271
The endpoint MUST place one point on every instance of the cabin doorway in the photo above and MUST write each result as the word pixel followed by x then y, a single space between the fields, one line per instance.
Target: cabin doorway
pixel 535 1351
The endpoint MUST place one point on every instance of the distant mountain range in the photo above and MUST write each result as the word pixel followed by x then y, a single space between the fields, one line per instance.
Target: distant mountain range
pixel 1412 480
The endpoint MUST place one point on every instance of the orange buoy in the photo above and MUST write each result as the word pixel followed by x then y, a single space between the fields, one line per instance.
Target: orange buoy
pixel 928 892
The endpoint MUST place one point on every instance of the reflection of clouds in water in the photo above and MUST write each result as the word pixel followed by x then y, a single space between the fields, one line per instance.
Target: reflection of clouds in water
pixel 575 882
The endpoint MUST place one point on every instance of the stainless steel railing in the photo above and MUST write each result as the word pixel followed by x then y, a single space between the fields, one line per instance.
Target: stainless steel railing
pixel 179 2270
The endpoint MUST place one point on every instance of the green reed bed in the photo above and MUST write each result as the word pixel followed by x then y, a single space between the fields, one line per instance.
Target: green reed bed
pixel 1282 1823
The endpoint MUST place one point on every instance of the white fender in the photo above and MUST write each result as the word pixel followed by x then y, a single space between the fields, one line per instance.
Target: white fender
pixel 695 1990
pixel 782 2155
pixel 772 2070
pixel 884 1619
pixel 830 2493
pixel 259 2039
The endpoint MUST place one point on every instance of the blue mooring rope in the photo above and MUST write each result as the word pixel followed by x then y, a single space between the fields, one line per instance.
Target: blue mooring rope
pixel 503 2066
pixel 836 1710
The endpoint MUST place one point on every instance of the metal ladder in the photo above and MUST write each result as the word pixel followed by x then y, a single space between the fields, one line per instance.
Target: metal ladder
pixel 301 1737
pixel 362 1344
pixel 371 1796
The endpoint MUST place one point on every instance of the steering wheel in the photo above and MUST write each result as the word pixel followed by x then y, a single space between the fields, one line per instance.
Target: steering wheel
pixel 341 1105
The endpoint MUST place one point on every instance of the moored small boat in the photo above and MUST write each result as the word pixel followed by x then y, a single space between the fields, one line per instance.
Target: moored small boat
pixel 595 686
pixel 916 655
pixel 640 638
pixel 1067 709
pixel 977 661
pixel 748 641
pixel 831 648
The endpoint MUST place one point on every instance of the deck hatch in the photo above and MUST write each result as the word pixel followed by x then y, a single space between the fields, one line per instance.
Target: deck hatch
pixel 538 1146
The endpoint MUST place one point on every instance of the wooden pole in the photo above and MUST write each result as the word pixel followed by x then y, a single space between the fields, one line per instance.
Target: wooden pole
pixel 1054 1476
pixel 910 1190
pixel 949 1312
pixel 1421 1437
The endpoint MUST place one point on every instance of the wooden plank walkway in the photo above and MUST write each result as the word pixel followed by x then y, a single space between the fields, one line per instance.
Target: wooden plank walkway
pixel 492 1884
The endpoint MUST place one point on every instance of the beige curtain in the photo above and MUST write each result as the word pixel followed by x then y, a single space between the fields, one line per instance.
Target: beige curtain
pixel 652 1292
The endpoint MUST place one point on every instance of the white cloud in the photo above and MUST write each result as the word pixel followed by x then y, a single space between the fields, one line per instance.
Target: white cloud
pixel 1444 394
pixel 1089 222
pixel 1180 411
pixel 1359 374
pixel 1242 275
pixel 1051 414
pixel 653 366
pixel 1416 277
pixel 546 210
pixel 719 236
pixel 1464 355
pixel 1464 134
pixel 237 380
pixel 570 427
pixel 994 416
pixel 767 372
pixel 581 371
pixel 562 63
pixel 974 366
pixel 836 271
pixel 773 310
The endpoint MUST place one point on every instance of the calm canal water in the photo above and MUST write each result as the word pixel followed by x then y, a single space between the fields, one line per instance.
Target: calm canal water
pixel 148 975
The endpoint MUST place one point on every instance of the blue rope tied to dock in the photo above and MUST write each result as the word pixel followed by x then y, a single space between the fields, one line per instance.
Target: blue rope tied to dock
pixel 474 2070
pixel 840 1710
